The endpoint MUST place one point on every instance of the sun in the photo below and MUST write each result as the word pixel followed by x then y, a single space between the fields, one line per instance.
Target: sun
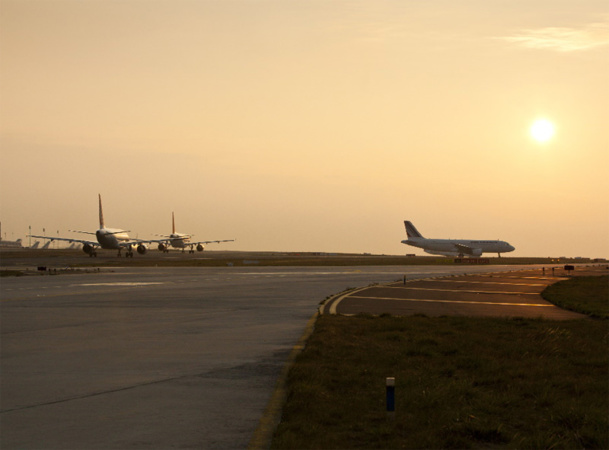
pixel 542 130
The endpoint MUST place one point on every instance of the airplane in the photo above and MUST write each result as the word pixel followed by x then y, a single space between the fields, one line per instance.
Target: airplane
pixel 179 240
pixel 107 238
pixel 453 247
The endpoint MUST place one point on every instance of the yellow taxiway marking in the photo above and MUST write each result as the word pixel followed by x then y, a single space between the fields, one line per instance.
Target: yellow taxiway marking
pixel 126 283
pixel 490 282
pixel 554 278
pixel 334 303
pixel 546 305
pixel 462 290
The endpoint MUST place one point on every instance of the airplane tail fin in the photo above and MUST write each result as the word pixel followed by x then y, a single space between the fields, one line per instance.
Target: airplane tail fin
pixel 411 231
pixel 173 223
pixel 101 214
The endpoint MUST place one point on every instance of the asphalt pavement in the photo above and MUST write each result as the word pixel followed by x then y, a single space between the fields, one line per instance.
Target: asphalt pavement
pixel 167 357
pixel 501 294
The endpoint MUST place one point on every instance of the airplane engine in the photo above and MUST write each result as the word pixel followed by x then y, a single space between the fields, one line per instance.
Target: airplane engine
pixel 476 252
pixel 200 247
pixel 88 249
pixel 141 249
pixel 162 247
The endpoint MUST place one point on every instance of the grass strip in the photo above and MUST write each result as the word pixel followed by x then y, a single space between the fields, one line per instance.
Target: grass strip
pixel 460 383
pixel 587 295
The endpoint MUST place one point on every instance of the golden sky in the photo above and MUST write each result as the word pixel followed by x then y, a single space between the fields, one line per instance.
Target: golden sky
pixel 308 125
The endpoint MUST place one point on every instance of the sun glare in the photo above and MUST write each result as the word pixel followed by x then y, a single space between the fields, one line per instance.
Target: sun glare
pixel 542 130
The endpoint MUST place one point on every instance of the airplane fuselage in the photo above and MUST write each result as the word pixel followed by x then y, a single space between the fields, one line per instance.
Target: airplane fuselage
pixel 453 247
pixel 450 247
pixel 110 238
pixel 178 240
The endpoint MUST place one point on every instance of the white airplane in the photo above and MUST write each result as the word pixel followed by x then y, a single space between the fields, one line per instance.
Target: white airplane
pixel 454 247
pixel 107 238
pixel 179 240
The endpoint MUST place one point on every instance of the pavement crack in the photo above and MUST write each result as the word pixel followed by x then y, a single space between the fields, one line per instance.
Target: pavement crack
pixel 95 394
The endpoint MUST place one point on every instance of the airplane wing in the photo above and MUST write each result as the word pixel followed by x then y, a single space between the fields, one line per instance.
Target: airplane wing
pixel 462 248
pixel 199 244
pixel 153 241
pixel 438 252
pixel 107 232
pixel 82 232
pixel 210 242
pixel 55 238
pixel 168 239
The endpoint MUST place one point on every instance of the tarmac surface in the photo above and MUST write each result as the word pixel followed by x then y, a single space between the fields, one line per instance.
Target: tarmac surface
pixel 501 294
pixel 168 357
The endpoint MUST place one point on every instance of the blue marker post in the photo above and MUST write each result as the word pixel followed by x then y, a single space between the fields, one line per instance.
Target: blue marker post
pixel 390 382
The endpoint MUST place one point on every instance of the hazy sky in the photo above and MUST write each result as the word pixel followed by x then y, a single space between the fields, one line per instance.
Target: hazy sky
pixel 308 125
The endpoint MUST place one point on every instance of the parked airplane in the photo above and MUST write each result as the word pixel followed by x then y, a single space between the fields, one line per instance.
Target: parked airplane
pixel 107 238
pixel 179 240
pixel 453 247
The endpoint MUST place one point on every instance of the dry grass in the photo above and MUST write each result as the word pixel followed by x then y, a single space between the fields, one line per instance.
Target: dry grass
pixel 460 383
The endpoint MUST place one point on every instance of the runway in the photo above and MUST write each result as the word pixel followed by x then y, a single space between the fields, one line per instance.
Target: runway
pixel 158 357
